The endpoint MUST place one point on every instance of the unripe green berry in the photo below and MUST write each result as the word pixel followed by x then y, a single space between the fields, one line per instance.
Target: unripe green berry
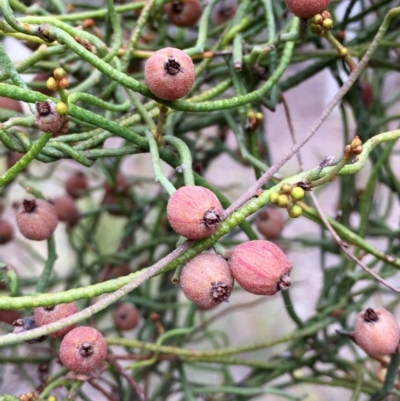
pixel 295 211
pixel 273 198
pixel 297 193
pixel 283 201
pixel 61 108
pixel 327 24
pixel 286 189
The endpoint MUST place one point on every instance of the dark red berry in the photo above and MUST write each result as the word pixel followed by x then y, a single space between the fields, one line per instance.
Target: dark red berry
pixel 183 13
pixel 6 232
pixel 67 210
pixel 307 8
pixel 76 185
pixel 126 317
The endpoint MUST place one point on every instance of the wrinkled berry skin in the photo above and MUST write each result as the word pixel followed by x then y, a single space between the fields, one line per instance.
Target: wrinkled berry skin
pixel 260 267
pixel 377 332
pixel 49 314
pixel 307 8
pixel 183 13
pixel 194 212
pixel 169 73
pixel 83 350
pixel 37 219
pixel 206 280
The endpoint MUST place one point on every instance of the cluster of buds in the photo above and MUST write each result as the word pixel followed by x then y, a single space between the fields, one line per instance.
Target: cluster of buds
pixel 253 120
pixel 321 22
pixel 58 80
pixel 354 149
pixel 287 198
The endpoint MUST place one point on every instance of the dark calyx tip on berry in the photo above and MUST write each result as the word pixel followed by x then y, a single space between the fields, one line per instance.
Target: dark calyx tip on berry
pixel 178 6
pixel 284 282
pixel 172 66
pixel 370 316
pixel 211 219
pixel 29 205
pixel 219 291
pixel 86 350
pixel 43 108
pixel 49 308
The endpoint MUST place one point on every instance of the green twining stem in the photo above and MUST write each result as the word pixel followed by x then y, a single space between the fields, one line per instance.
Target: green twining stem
pixel 155 160
pixel 203 354
pixel 49 265
pixel 186 158
pixel 203 30
pixel 25 160
pixel 63 37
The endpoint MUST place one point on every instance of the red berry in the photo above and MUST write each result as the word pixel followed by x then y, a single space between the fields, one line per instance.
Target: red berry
pixel 112 272
pixel 6 232
pixel 83 350
pixel 37 219
pixel 206 280
pixel 66 209
pixel 194 212
pixel 169 73
pixel 307 8
pixel 126 317
pixel 376 331
pixel 224 12
pixel 76 185
pixel 9 316
pixel 260 267
pixel 270 223
pixel 183 13
pixel 10 104
pixel 49 314
pixel 14 157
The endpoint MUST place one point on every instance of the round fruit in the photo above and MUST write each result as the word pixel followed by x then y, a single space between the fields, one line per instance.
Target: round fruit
pixel 270 223
pixel 66 209
pixel 37 219
pixel 307 8
pixel 183 13
pixel 83 350
pixel 126 317
pixel 6 232
pixel 9 316
pixel 224 12
pixel 111 272
pixel 169 73
pixel 260 267
pixel 76 185
pixel 49 314
pixel 297 194
pixel 14 157
pixel 206 280
pixel 295 211
pixel 194 212
pixel 376 331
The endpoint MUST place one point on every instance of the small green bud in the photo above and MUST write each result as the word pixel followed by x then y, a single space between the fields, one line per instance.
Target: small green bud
pixel 273 198
pixel 283 201
pixel 297 194
pixel 286 189
pixel 295 211
pixel 62 108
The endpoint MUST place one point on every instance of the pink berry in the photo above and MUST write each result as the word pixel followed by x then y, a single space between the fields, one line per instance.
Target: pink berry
pixel 76 185
pixel 260 267
pixel 6 232
pixel 307 8
pixel 83 350
pixel 37 219
pixel 49 314
pixel 66 209
pixel 376 331
pixel 270 222
pixel 169 73
pixel 194 212
pixel 206 280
